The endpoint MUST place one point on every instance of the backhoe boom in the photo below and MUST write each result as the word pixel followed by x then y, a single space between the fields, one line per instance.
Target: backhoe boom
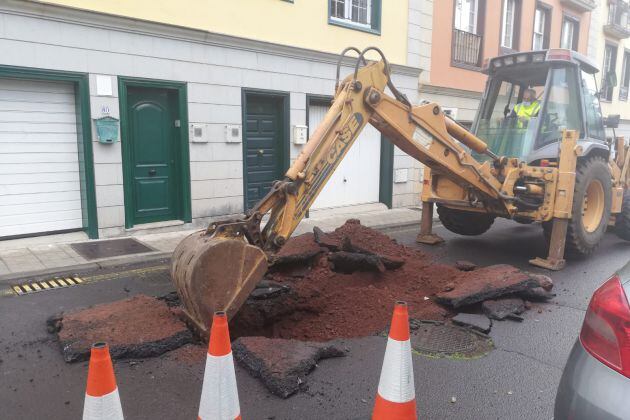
pixel 218 268
pixel 423 132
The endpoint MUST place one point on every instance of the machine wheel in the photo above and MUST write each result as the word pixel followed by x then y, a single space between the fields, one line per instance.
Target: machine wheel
pixel 622 225
pixel 464 222
pixel 591 207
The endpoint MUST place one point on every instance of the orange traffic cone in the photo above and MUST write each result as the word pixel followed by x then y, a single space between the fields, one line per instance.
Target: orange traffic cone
pixel 219 396
pixel 396 397
pixel 101 396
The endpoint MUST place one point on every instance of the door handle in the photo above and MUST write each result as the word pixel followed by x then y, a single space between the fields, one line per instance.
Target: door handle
pixel 152 172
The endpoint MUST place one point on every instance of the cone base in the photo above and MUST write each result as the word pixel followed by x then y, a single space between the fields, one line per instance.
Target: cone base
pixel 387 410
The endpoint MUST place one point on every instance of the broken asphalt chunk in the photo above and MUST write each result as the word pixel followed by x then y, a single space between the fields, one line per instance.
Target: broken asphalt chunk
pixel 266 289
pixel 477 322
pixel 349 262
pixel 324 240
pixel 537 294
pixel 486 283
pixel 281 365
pixel 543 281
pixel 137 327
pixel 464 265
pixel 501 309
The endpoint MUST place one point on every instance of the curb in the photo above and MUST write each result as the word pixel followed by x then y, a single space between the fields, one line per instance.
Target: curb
pixel 84 267
pixel 142 258
pixel 390 227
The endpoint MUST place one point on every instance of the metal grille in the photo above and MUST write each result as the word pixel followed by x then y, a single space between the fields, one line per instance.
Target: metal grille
pixel 439 339
pixel 110 248
pixel 466 48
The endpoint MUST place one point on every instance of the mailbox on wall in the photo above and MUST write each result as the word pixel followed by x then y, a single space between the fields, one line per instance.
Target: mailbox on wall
pixel 107 129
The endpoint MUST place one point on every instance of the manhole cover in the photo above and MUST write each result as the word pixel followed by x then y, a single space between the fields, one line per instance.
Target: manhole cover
pixel 438 339
pixel 110 248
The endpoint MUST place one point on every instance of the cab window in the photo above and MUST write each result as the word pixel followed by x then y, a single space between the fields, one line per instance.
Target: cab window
pixel 562 109
pixel 594 123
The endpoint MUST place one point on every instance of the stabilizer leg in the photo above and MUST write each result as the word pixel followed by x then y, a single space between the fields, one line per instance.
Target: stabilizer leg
pixel 426 235
pixel 555 260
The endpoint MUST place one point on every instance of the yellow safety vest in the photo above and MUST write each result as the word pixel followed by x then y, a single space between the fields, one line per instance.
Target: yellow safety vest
pixel 526 112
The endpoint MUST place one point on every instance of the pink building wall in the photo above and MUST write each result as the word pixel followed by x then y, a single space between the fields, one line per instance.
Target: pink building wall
pixel 444 74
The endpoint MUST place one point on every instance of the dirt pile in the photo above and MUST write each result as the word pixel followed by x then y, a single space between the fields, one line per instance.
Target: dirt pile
pixel 324 304
pixel 325 300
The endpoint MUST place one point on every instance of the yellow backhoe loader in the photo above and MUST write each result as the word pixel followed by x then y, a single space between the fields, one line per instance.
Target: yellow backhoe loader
pixel 555 167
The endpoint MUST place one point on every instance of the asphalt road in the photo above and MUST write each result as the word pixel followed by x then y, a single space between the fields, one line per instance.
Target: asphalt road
pixel 517 380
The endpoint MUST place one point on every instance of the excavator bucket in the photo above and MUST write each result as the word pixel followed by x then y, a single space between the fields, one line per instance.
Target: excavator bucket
pixel 215 274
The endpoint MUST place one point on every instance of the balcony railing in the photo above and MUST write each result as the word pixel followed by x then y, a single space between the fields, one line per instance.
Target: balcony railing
pixel 617 25
pixel 466 48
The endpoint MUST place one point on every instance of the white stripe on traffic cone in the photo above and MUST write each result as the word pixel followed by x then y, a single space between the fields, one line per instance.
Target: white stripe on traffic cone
pixel 219 395
pixel 396 397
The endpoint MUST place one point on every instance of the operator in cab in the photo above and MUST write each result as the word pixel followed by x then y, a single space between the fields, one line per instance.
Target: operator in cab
pixel 527 108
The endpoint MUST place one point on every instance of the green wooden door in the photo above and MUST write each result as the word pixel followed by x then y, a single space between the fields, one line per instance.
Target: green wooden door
pixel 154 139
pixel 263 146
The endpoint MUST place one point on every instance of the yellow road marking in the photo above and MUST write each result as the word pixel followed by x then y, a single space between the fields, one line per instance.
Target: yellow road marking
pixel 51 284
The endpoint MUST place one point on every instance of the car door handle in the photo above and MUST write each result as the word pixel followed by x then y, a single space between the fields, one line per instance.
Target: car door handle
pixel 152 172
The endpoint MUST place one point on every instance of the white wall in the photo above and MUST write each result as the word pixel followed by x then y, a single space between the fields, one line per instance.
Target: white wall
pixel 215 69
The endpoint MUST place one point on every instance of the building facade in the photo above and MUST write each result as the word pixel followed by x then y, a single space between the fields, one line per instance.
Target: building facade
pixel 611 52
pixel 118 117
pixel 464 33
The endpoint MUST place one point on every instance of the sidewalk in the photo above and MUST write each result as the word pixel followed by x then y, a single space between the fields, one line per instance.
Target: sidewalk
pixel 53 253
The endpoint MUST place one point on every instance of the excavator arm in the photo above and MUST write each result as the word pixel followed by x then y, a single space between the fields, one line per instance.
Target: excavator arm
pixel 216 269
pixel 423 132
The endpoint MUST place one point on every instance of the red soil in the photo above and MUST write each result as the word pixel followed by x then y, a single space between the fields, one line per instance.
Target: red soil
pixel 327 305
pixel 303 244
pixel 140 319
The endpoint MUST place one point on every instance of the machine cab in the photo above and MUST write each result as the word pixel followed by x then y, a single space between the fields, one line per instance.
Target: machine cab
pixel 531 97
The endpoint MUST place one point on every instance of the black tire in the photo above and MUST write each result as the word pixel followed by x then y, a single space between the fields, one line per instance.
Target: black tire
pixel 464 222
pixel 581 241
pixel 622 223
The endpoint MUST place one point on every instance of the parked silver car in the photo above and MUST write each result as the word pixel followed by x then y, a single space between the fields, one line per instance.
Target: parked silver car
pixel 595 383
